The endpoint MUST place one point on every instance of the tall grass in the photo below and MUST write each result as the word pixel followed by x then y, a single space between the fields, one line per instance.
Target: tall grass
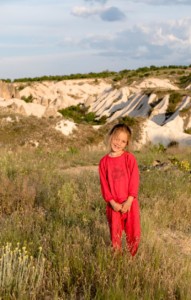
pixel 44 205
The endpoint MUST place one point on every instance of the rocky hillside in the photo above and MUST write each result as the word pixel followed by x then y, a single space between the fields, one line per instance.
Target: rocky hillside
pixel 160 105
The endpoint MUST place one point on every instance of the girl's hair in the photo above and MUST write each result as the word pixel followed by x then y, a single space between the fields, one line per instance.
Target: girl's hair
pixel 120 127
pixel 117 128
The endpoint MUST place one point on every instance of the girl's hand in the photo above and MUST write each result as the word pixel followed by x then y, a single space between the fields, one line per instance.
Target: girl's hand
pixel 126 206
pixel 116 206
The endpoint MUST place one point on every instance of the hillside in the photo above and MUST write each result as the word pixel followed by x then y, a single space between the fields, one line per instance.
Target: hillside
pixel 55 241
pixel 157 103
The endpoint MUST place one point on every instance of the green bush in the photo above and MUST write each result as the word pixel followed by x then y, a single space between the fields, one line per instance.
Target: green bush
pixel 130 121
pixel 174 99
pixel 80 114
pixel 28 99
pixel 188 130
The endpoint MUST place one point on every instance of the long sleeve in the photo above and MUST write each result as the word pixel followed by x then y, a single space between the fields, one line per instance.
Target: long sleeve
pixel 106 193
pixel 119 177
pixel 134 177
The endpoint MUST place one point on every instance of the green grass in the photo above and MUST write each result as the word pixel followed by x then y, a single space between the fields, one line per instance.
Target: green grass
pixel 46 204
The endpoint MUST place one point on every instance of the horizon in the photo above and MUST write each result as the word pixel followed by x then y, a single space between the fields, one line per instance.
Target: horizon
pixel 75 75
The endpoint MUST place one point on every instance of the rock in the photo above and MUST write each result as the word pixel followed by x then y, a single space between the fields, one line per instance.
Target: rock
pixel 7 90
pixel 66 126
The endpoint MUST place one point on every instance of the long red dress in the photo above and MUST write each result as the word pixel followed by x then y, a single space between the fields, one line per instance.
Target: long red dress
pixel 119 178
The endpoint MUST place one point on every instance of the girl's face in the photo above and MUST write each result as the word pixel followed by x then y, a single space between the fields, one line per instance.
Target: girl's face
pixel 119 141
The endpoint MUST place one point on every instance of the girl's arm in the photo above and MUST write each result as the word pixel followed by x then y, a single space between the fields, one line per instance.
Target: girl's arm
pixel 126 206
pixel 105 188
pixel 133 184
pixel 104 183
pixel 116 206
pixel 133 177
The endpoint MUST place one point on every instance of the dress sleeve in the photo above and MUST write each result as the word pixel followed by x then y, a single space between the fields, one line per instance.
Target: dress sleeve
pixel 104 182
pixel 134 177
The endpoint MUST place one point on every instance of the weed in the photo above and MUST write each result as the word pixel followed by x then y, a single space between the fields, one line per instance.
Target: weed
pixel 20 273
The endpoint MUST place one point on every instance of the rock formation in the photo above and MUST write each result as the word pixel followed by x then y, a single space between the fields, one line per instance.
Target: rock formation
pixel 148 99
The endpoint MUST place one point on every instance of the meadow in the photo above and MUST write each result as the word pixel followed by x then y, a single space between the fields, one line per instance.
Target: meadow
pixel 54 241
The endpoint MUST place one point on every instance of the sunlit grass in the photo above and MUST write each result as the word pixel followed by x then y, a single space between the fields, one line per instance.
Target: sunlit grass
pixel 20 274
pixel 44 205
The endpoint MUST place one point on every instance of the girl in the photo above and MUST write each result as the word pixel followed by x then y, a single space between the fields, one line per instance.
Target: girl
pixel 119 178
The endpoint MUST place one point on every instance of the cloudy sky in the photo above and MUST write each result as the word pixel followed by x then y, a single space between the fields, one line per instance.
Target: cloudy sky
pixel 61 37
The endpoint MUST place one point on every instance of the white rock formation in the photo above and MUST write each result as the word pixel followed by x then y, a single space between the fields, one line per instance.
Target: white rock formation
pixel 27 109
pixel 156 83
pixel 158 114
pixel 106 99
pixel 66 126
pixel 170 132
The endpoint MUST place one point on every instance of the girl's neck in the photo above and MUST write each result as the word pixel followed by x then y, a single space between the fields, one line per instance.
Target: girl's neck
pixel 115 154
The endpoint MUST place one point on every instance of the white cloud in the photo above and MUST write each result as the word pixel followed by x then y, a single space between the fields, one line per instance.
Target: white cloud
pixel 83 11
pixel 154 42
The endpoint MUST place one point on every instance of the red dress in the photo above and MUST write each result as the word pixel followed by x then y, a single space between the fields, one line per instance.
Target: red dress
pixel 119 178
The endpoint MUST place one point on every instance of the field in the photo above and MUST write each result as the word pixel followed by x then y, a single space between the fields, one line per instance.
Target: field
pixel 54 241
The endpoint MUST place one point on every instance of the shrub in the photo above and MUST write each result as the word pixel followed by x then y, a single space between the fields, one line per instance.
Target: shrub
pixel 183 165
pixel 159 148
pixel 20 273
pixel 188 130
pixel 173 144
pixel 174 99
pixel 28 99
pixel 130 121
pixel 80 114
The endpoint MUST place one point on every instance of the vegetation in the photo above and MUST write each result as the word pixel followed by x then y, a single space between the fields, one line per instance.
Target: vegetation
pixel 28 99
pixel 20 273
pixel 130 121
pixel 185 80
pixel 188 131
pixel 46 203
pixel 173 71
pixel 54 241
pixel 6 80
pixel 174 99
pixel 80 114
pixel 103 74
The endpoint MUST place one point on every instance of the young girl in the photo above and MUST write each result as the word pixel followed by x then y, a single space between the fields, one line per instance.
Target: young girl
pixel 119 178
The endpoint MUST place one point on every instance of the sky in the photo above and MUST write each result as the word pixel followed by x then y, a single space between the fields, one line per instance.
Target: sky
pixel 63 37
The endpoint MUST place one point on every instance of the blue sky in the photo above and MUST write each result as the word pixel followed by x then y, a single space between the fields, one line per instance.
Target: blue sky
pixel 60 37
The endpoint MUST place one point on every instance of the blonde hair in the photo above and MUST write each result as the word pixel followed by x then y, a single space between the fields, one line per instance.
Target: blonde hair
pixel 118 128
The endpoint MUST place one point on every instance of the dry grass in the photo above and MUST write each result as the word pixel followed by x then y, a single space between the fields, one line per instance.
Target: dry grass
pixel 44 205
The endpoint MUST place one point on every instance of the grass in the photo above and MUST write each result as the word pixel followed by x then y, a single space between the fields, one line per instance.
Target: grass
pixel 43 205
pixel 19 272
